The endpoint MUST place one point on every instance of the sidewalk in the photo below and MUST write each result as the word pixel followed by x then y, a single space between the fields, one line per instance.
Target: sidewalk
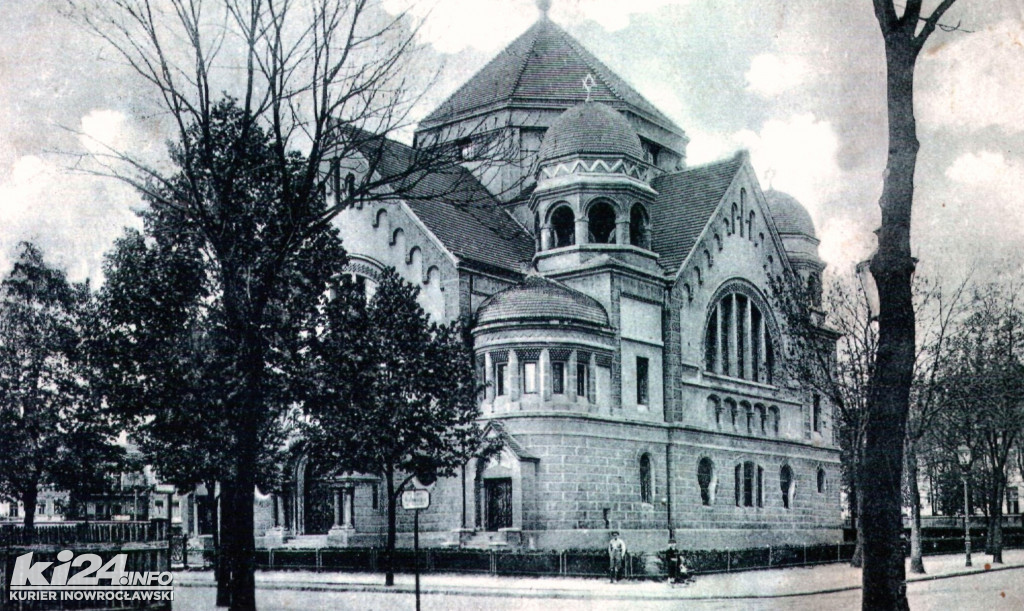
pixel 771 583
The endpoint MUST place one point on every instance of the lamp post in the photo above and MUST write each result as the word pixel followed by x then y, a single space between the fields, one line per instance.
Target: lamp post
pixel 964 457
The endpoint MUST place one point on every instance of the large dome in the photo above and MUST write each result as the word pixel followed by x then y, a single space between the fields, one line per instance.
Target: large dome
pixel 791 218
pixel 590 128
pixel 539 299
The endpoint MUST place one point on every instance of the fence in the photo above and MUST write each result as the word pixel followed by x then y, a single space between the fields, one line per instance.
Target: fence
pixel 580 563
pixel 145 546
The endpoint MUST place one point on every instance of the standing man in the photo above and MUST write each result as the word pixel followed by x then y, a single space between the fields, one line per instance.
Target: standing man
pixel 616 556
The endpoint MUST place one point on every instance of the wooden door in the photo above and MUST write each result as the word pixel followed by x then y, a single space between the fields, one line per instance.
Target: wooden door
pixel 498 493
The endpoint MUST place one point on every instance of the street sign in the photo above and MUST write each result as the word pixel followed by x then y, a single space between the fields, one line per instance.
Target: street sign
pixel 415 499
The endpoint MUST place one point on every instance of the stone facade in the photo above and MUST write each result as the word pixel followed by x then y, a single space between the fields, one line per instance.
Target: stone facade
pixel 624 327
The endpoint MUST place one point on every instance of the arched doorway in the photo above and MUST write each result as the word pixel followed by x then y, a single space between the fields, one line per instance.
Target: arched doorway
pixel 317 504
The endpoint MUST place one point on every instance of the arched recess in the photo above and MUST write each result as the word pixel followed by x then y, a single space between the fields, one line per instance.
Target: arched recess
pixel 639 226
pixel 601 218
pixel 822 481
pixel 562 222
pixel 380 219
pixel 646 468
pixel 786 486
pixel 707 481
pixel 415 260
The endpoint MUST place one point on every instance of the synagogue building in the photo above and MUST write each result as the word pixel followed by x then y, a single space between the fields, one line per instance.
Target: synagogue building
pixel 626 324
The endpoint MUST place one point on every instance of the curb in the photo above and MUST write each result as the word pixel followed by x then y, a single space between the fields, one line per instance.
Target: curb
pixel 673 594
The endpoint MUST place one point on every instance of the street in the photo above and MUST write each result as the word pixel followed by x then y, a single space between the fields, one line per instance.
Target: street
pixel 995 591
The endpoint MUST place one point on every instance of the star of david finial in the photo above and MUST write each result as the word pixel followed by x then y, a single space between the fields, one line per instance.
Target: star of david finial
pixel 588 84
pixel 544 6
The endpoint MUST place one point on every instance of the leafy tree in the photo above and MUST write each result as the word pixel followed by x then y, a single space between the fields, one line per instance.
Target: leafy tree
pixel 984 393
pixel 203 310
pixel 389 392
pixel 904 34
pixel 333 78
pixel 53 428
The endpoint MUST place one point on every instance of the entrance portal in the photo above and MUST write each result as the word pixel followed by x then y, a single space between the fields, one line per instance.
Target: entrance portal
pixel 498 495
pixel 317 503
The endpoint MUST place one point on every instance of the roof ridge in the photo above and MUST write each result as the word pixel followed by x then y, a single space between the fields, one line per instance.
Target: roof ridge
pixel 437 112
pixel 524 60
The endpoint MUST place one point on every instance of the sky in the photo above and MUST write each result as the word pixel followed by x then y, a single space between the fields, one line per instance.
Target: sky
pixel 798 83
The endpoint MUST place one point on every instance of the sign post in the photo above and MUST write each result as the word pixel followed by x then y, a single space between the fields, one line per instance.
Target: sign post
pixel 416 500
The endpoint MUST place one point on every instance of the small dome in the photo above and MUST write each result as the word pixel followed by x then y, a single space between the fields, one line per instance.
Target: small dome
pixel 791 218
pixel 540 299
pixel 590 128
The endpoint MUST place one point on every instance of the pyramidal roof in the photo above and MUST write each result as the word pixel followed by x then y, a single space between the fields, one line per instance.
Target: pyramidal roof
pixel 545 66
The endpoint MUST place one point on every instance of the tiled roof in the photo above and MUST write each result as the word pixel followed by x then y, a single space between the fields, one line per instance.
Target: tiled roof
pixel 686 201
pixel 790 217
pixel 591 127
pixel 545 65
pixel 541 299
pixel 456 208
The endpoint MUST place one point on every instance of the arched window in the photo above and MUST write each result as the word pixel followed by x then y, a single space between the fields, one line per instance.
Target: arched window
pixel 786 485
pixel 774 417
pixel 750 226
pixel 737 222
pixel 563 227
pixel 350 185
pixel 639 227
pixel 748 417
pixel 821 480
pixel 707 259
pixel 601 222
pixel 737 340
pixel 646 479
pixel 718 241
pixel 762 419
pixel 705 479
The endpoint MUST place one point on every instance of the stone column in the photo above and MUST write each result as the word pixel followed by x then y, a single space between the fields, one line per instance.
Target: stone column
pixel 719 341
pixel 489 378
pixel 748 345
pixel 570 377
pixel 514 384
pixel 733 352
pixel 622 231
pixel 762 351
pixel 545 236
pixel 347 507
pixel 544 375
pixel 582 229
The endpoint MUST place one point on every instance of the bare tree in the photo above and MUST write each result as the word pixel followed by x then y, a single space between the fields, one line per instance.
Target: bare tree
pixel 831 342
pixel 884 577
pixel 332 79
pixel 938 311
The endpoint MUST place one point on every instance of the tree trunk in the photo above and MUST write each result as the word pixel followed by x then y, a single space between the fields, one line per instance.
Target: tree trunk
pixel 389 547
pixel 30 499
pixel 996 523
pixel 857 561
pixel 220 566
pixel 916 560
pixel 884 575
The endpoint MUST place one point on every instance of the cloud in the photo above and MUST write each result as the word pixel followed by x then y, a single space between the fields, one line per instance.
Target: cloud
pixel 771 74
pixel 488 25
pixel 797 155
pixel 987 169
pixel 974 81
pixel 73 217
